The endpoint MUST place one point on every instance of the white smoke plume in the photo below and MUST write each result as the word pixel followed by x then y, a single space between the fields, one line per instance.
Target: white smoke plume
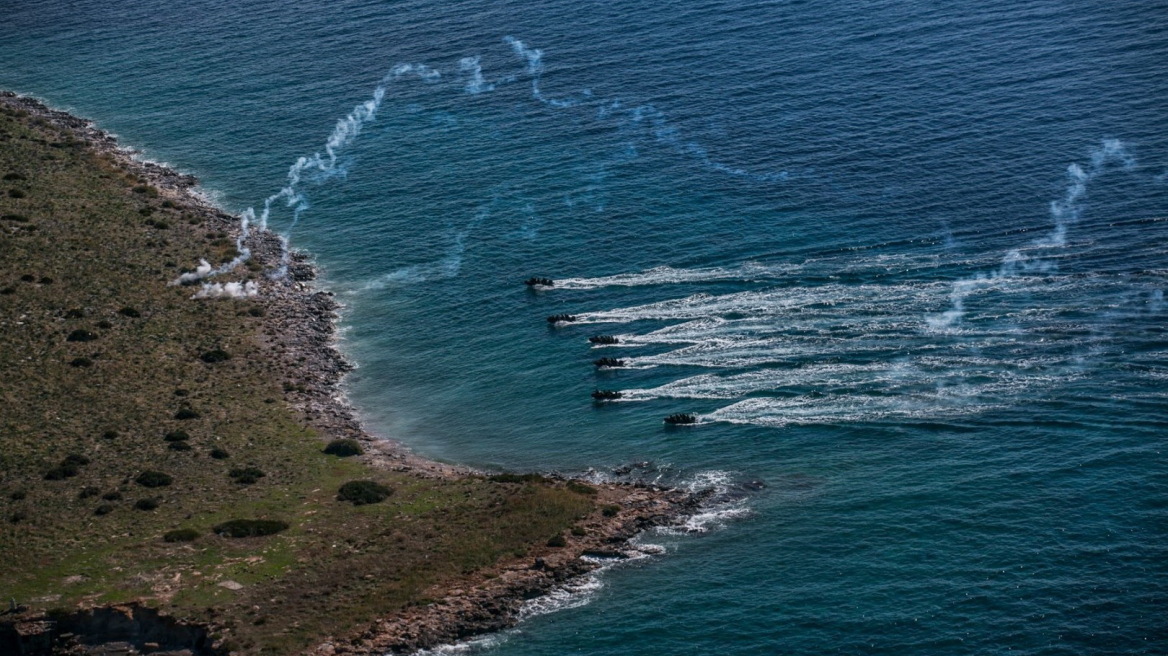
pixel 228 290
pixel 1065 212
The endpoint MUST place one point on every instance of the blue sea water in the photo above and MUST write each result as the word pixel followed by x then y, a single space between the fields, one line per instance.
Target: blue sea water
pixel 906 261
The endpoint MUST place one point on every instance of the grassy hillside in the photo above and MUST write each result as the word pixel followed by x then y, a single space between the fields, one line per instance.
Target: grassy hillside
pixel 108 373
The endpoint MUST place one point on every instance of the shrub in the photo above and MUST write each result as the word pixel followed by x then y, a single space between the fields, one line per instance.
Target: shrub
pixel 579 531
pixel 87 492
pixel 104 325
pixel 14 176
pixel 110 435
pixel 146 504
pixel 19 218
pixel 344 448
pixel 178 446
pixel 129 312
pixel 516 478
pixel 18 495
pixel 256 311
pixel 245 475
pixel 248 528
pixel 219 454
pixel 141 189
pixel 28 277
pixel 610 511
pixel 112 496
pixel 557 541
pixel 75 459
pixel 103 509
pixel 169 204
pixel 361 493
pixel 8 290
pixel 80 335
pixel 177 436
pixel 75 313
pixel 581 488
pixel 181 535
pixel 61 472
pixel 217 355
pixel 16 193
pixel 186 413
pixel 45 280
pixel 81 362
pixel 151 478
pixel 18 516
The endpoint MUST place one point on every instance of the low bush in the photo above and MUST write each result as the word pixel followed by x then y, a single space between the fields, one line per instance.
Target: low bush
pixel 517 478
pixel 217 355
pixel 112 496
pixel 249 528
pixel 219 454
pixel 361 493
pixel 246 475
pixel 186 413
pixel 177 436
pixel 14 176
pixel 610 511
pixel 104 325
pixel 28 277
pixel 61 472
pixel 256 311
pixel 75 313
pixel 557 541
pixel 87 492
pixel 103 509
pixel 129 312
pixel 18 495
pixel 181 535
pixel 19 218
pixel 75 459
pixel 581 488
pixel 146 504
pixel 81 362
pixel 81 335
pixel 178 446
pixel 18 516
pixel 344 448
pixel 110 435
pixel 16 193
pixel 579 531
pixel 151 478
pixel 8 290
pixel 45 280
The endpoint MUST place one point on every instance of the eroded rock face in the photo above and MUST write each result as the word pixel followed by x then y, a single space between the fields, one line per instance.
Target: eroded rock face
pixel 123 629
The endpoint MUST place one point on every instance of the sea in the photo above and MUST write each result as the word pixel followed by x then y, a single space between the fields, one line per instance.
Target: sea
pixel 903 261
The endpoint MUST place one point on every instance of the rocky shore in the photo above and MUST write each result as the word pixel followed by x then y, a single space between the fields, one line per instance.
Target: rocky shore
pixel 298 333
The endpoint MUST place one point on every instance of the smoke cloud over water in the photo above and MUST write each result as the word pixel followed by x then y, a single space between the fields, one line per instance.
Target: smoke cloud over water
pixel 1028 259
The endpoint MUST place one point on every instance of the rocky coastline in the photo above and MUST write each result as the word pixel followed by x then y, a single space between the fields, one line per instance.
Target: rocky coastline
pixel 299 332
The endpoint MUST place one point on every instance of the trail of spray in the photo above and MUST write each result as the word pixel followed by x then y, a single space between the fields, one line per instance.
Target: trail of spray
pixel 1065 212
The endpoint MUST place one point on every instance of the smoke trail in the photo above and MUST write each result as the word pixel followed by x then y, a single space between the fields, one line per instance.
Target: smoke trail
pixel 1065 212
pixel 534 59
pixel 476 84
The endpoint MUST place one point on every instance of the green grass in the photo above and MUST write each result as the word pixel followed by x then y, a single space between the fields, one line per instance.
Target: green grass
pixel 82 256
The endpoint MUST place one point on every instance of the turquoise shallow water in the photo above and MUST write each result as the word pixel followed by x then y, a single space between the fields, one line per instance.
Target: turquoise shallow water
pixel 906 262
